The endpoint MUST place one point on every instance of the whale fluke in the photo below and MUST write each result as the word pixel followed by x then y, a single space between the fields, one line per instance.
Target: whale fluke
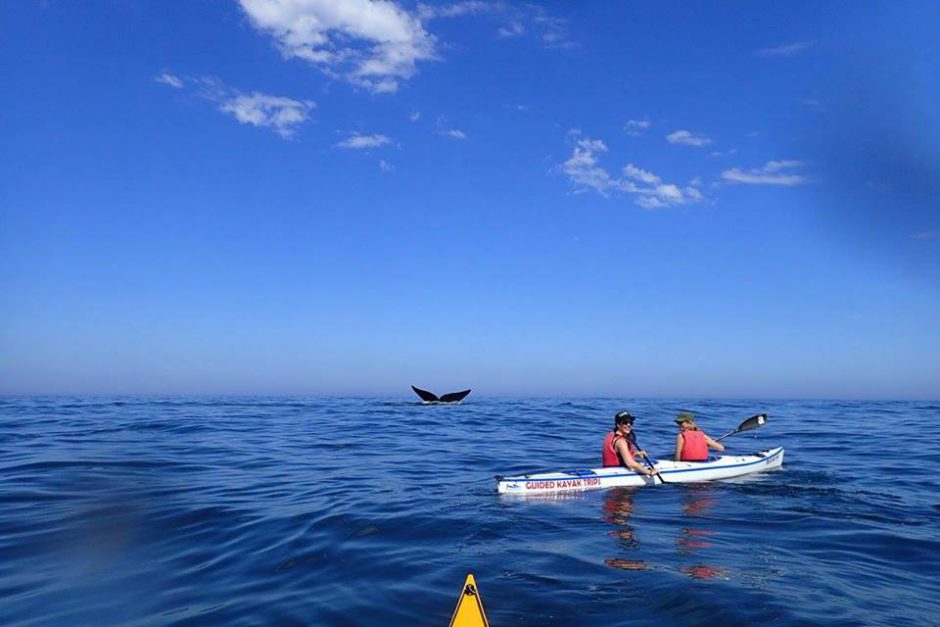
pixel 427 397
pixel 454 397
pixel 430 397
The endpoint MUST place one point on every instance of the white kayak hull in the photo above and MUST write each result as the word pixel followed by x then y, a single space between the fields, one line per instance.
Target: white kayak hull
pixel 723 467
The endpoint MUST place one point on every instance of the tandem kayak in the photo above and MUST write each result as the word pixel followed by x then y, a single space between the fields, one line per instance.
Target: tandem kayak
pixel 722 467
pixel 469 611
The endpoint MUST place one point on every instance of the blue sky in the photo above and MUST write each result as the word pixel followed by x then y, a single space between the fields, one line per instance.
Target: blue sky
pixel 729 199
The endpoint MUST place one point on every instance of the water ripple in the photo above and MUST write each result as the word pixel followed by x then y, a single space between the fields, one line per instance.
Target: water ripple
pixel 339 511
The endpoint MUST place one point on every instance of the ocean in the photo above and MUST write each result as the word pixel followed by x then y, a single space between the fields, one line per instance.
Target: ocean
pixel 370 511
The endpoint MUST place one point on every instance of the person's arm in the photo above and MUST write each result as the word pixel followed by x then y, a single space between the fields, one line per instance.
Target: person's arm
pixel 718 446
pixel 628 459
pixel 679 442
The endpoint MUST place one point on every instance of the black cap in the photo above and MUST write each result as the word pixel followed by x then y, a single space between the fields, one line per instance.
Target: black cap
pixel 623 417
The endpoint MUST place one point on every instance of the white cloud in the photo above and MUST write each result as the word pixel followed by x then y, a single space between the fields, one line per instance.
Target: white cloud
pixel 530 18
pixel 649 202
pixel 654 193
pixel 371 43
pixel 514 29
pixel 415 116
pixel 635 128
pixel 718 153
pixel 810 102
pixel 170 79
pixel 551 31
pixel 280 114
pixel 582 166
pixel 444 127
pixel 771 173
pixel 360 142
pixel 454 133
pixel 925 235
pixel 385 166
pixel 693 192
pixel 554 33
pixel 644 176
pixel 648 189
pixel 430 12
pixel 788 50
pixel 688 138
pixel 776 166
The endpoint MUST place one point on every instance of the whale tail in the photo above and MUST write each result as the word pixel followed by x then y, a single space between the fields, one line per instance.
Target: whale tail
pixel 427 397
pixel 454 397
pixel 430 397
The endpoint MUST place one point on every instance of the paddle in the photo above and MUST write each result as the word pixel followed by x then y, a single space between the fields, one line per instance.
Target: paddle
pixel 649 464
pixel 750 424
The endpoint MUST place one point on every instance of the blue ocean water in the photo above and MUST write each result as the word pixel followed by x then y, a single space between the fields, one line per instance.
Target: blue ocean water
pixel 342 511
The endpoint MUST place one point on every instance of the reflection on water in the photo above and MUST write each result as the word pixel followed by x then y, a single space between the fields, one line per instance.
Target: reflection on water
pixel 618 507
pixel 625 534
pixel 705 572
pixel 623 564
pixel 567 495
pixel 691 539
pixel 698 500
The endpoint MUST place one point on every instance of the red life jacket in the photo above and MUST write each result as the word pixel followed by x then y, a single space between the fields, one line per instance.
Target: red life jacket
pixel 694 446
pixel 609 455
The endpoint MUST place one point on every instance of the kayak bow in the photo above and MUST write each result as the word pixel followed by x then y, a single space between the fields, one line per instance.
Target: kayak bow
pixel 469 611
pixel 723 467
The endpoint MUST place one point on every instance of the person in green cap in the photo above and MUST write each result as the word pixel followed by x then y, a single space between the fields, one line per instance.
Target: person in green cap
pixel 691 444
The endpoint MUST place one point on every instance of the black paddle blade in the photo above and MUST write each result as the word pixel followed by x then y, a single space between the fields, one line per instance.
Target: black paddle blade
pixel 454 397
pixel 427 397
pixel 752 423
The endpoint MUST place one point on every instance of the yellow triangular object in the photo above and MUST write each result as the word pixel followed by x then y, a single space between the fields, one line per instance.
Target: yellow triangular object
pixel 469 611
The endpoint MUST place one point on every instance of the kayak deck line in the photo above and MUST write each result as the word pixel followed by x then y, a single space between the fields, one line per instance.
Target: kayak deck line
pixel 722 467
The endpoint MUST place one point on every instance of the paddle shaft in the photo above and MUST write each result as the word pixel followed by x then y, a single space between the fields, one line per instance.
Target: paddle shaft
pixel 645 458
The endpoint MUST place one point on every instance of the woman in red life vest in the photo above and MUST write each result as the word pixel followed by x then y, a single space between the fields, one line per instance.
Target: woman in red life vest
pixel 618 450
pixel 691 444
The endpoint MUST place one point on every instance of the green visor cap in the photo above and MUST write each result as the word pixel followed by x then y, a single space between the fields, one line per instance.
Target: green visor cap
pixel 685 417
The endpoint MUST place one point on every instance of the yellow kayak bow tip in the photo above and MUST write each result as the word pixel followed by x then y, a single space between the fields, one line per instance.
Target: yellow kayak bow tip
pixel 469 611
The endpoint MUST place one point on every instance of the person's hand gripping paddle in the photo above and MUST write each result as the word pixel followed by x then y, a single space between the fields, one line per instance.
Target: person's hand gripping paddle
pixel 646 460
